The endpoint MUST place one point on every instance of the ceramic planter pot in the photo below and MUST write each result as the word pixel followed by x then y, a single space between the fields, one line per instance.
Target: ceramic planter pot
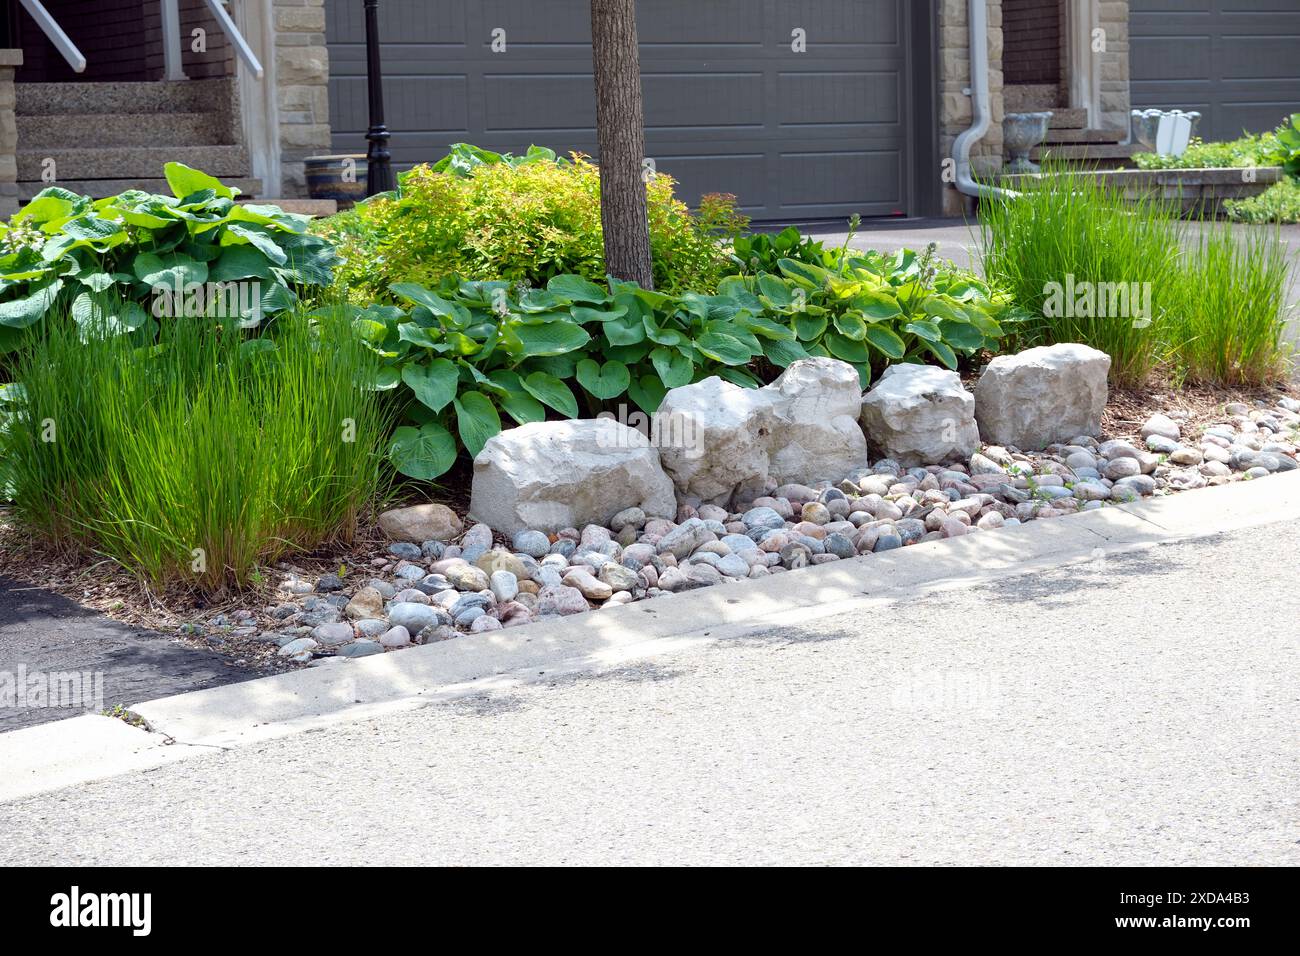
pixel 1021 132
pixel 341 177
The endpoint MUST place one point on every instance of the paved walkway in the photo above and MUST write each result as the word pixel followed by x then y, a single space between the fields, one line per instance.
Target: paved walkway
pixel 42 633
pixel 1140 709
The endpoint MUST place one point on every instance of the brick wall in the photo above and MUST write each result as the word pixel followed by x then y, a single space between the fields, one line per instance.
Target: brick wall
pixel 954 105
pixel 217 59
pixel 107 32
pixel 1032 41
pixel 302 75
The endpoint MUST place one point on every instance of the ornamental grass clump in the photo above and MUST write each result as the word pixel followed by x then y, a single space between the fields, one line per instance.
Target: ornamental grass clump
pixel 1086 264
pixel 1231 307
pixel 194 460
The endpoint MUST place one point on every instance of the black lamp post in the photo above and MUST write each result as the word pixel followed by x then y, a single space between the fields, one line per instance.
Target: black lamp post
pixel 379 170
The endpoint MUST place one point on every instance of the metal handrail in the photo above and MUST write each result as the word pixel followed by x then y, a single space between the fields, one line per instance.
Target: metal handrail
pixel 50 27
pixel 241 45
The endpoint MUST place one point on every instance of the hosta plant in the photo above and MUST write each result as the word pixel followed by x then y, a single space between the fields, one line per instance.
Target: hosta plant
pixel 469 355
pixel 877 308
pixel 196 252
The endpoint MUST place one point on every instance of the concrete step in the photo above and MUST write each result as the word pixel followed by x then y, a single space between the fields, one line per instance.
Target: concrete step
pixel 303 207
pixel 99 188
pixel 1064 137
pixel 1086 153
pixel 61 99
pixel 130 162
pixel 68 130
pixel 1065 118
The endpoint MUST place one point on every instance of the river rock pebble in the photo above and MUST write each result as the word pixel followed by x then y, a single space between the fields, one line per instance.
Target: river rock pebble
pixel 425 590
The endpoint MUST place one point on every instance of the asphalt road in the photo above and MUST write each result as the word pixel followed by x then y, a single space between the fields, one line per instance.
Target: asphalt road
pixel 42 634
pixel 1141 709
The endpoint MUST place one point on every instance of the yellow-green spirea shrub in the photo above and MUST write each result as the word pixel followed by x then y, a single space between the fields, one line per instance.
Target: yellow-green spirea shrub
pixel 526 223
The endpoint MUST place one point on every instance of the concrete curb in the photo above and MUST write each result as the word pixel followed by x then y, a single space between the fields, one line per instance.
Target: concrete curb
pixel 239 714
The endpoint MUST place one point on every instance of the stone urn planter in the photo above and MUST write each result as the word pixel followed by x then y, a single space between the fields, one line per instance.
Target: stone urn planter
pixel 341 177
pixel 1021 132
pixel 1146 129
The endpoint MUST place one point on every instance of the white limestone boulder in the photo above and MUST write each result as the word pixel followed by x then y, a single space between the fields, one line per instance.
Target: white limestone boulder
pixel 713 439
pixel 723 443
pixel 920 415
pixel 1043 395
pixel 816 435
pixel 551 475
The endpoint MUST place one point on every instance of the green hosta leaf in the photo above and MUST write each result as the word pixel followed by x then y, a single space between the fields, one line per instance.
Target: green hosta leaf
pixel 410 332
pixel 278 298
pixel 625 331
pixel 809 328
pixel 240 262
pixel 91 228
pixel 781 353
pixel 20 313
pixel 924 329
pixel 776 291
pixel 583 314
pixel 648 392
pixel 942 353
pixel 846 349
pixel 539 300
pixel 738 376
pixel 961 335
pixel 939 308
pixel 433 384
pixel 476 420
pixel 662 334
pixel 97 319
pixel 675 369
pixel 765 327
pixel 257 236
pixel 553 392
pixel 809 276
pixel 554 338
pixel 876 306
pixel 522 407
pixel 606 381
pixel 384 379
pixel 884 339
pixel 48 208
pixel 577 289
pixel 628 354
pixel 185 181
pixel 423 453
pixel 173 272
pixel 851 325
pixel 723 348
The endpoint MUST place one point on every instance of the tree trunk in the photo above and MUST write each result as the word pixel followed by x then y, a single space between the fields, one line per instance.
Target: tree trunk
pixel 620 126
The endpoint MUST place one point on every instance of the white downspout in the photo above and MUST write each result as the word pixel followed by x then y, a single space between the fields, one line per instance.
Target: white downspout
pixel 981 112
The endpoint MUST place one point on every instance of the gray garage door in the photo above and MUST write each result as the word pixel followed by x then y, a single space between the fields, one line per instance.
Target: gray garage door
pixel 1237 61
pixel 730 107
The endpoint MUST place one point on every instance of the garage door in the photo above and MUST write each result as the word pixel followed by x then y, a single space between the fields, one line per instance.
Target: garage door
pixel 1237 61
pixel 730 106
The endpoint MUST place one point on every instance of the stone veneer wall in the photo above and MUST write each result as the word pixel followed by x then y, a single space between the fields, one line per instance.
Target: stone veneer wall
pixel 10 60
pixel 954 105
pixel 1113 18
pixel 302 75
